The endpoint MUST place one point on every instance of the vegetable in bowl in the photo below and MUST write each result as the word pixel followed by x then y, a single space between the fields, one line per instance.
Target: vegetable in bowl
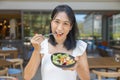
pixel 63 60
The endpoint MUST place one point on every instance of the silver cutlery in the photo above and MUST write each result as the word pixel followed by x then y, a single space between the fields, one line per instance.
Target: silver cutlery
pixel 47 35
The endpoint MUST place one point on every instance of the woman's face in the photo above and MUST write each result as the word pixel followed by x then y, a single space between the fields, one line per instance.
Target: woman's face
pixel 60 25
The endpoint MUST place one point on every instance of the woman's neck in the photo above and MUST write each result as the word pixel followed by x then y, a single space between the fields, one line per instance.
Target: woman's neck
pixel 59 45
pixel 60 41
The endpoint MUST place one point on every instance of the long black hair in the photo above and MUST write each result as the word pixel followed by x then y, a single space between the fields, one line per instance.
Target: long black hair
pixel 70 42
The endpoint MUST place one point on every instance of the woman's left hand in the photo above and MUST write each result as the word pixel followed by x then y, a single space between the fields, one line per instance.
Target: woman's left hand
pixel 74 67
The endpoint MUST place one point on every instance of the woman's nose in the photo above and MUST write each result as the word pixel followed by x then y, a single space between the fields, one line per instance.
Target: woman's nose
pixel 60 27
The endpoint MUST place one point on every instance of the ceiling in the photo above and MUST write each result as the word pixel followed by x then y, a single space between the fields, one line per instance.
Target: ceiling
pixel 15 13
pixel 68 0
pixel 8 14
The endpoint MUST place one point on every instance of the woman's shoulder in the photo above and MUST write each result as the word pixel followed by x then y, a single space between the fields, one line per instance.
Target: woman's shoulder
pixel 81 43
pixel 44 46
pixel 80 48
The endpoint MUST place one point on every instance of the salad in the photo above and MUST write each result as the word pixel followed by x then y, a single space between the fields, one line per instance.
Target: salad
pixel 63 59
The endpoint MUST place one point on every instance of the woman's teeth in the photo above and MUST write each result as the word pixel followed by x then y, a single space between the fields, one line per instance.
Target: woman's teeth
pixel 59 34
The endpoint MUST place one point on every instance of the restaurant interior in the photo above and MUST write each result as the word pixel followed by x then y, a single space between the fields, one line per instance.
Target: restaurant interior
pixel 99 29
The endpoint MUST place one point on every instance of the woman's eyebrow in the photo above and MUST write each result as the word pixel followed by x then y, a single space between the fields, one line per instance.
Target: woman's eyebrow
pixel 67 21
pixel 63 21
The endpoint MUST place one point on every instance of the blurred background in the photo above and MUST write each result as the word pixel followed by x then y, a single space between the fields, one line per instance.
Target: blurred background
pixel 98 22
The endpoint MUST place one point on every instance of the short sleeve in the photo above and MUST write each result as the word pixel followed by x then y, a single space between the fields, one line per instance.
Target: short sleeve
pixel 44 46
pixel 80 48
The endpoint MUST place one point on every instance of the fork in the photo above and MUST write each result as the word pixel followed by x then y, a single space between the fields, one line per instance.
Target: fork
pixel 47 35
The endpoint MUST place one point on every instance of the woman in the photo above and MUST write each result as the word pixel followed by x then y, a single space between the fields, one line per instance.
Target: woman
pixel 63 39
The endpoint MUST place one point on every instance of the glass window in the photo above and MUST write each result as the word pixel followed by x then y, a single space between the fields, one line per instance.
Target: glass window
pixel 36 22
pixel 89 25
pixel 10 25
pixel 116 27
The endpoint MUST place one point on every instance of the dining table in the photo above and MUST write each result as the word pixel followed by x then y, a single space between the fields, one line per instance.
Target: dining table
pixel 13 53
pixel 103 62
pixel 116 47
pixel 5 63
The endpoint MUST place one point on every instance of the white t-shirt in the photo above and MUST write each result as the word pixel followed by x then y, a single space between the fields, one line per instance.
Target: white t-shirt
pixel 50 72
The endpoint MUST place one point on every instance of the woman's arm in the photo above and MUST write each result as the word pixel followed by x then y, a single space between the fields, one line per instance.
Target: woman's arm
pixel 35 59
pixel 82 67
pixel 32 66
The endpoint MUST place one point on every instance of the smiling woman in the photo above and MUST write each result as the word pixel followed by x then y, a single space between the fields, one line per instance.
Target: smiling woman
pixel 64 31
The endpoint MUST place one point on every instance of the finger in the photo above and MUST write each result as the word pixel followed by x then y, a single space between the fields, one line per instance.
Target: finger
pixel 36 33
pixel 76 58
pixel 38 37
pixel 36 42
pixel 72 69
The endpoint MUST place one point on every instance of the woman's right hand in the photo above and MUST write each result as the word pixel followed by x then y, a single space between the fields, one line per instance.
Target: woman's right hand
pixel 36 41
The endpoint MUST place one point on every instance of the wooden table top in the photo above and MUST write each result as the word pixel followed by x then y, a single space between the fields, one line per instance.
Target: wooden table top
pixel 8 50
pixel 13 52
pixel 4 63
pixel 116 47
pixel 103 62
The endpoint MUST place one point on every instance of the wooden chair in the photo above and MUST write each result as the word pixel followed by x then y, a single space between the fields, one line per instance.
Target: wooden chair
pixel 4 72
pixel 7 78
pixel 17 67
pixel 101 74
pixel 4 55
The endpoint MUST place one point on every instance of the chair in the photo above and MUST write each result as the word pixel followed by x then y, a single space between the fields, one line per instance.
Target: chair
pixel 7 78
pixel 104 43
pixel 109 75
pixel 4 55
pixel 17 67
pixel 4 72
pixel 103 53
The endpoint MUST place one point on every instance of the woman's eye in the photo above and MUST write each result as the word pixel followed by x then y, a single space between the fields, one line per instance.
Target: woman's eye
pixel 66 23
pixel 56 21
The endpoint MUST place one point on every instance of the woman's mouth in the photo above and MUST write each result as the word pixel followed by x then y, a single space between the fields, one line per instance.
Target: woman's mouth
pixel 59 34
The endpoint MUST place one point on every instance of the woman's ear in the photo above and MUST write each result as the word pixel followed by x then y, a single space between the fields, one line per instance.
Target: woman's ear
pixel 71 28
